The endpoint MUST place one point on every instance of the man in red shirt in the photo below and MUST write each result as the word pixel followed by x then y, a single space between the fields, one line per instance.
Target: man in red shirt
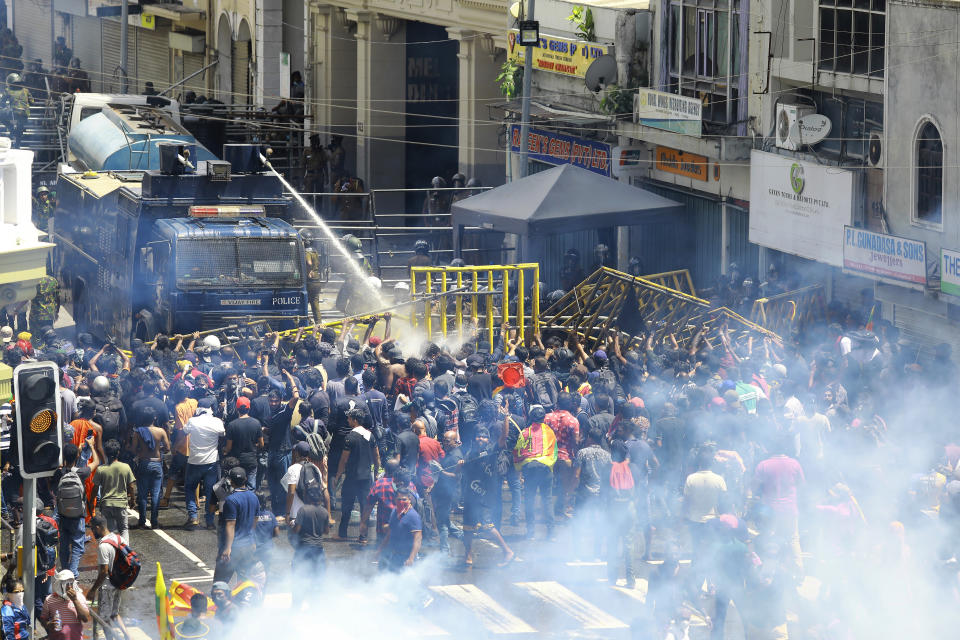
pixel 430 451
pixel 776 482
pixel 567 429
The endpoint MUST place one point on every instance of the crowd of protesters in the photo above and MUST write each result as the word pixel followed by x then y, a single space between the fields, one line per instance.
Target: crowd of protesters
pixel 759 462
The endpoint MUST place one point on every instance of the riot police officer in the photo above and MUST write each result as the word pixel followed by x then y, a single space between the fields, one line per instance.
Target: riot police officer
pixel 354 282
pixel 314 167
pixel 601 257
pixel 421 254
pixel 437 203
pixel 316 267
pixel 15 106
pixel 571 273
pixel 42 208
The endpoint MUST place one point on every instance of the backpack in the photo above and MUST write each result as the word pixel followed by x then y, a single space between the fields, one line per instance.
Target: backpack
pixel 469 408
pixel 310 484
pixel 544 387
pixel 621 481
pixel 607 379
pixel 126 564
pixel 70 493
pixel 318 445
pixel 48 538
pixel 446 415
pixel 108 416
pixel 405 386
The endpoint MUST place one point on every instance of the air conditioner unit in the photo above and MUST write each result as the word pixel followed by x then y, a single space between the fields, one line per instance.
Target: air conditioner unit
pixel 788 115
pixel 875 155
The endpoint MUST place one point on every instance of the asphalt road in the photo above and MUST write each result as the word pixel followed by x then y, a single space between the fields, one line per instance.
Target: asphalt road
pixel 552 590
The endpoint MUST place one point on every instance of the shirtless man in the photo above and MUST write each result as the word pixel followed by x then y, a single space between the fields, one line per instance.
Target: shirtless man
pixel 389 371
pixel 149 443
pixel 183 411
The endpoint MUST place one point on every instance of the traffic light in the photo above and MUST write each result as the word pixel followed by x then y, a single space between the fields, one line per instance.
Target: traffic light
pixel 39 437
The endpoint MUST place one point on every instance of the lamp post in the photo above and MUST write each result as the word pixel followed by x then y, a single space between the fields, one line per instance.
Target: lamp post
pixel 529 36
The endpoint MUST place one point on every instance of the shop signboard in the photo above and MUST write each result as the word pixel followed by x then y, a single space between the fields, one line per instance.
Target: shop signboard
pixel 565 56
pixel 884 257
pixel 559 148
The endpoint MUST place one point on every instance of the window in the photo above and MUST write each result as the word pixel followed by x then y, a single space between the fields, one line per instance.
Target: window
pixel 852 36
pixel 704 51
pixel 229 262
pixel 929 175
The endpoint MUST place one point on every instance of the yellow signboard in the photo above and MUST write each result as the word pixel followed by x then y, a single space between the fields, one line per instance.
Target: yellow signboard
pixel 565 56
pixel 685 164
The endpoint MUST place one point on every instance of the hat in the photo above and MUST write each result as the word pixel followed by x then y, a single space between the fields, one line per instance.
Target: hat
pixel 475 361
pixel 302 449
pixel 6 335
pixel 600 354
pixel 243 401
pixel 237 474
pixel 206 403
pixel 375 341
pixel 731 398
pixel 220 586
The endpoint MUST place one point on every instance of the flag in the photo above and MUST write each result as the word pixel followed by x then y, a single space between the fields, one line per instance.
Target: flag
pixel 164 617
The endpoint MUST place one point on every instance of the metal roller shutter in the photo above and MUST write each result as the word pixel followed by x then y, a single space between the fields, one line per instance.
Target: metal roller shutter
pixel 87 47
pixel 110 40
pixel 241 72
pixel 31 25
pixel 193 62
pixel 153 59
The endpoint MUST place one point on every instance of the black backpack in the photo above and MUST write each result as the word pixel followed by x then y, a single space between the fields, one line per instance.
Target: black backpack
pixel 48 538
pixel 544 389
pixel 310 484
pixel 447 414
pixel 608 380
pixel 469 408
pixel 108 416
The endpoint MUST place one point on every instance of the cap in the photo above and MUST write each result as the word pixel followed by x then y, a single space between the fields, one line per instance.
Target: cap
pixel 302 449
pixel 474 361
pixel 237 474
pixel 375 341
pixel 206 403
pixel 220 586
pixel 243 401
pixel 6 335
pixel 731 398
pixel 600 353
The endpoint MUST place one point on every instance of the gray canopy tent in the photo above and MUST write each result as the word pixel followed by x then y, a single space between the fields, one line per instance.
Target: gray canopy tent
pixel 564 199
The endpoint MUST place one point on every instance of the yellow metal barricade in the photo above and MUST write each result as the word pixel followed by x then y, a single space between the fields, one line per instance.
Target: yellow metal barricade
pixel 487 294
pixel 678 280
pixel 779 313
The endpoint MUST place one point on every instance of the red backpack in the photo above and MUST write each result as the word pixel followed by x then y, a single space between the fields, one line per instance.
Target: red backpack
pixel 126 564
pixel 621 480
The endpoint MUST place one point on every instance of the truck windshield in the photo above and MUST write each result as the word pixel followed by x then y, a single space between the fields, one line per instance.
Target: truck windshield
pixel 231 262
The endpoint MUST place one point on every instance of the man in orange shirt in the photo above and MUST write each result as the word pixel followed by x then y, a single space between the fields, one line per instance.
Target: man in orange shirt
pixel 184 409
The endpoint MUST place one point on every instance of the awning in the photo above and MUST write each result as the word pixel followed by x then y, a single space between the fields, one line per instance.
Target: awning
pixel 641 5
pixel 561 200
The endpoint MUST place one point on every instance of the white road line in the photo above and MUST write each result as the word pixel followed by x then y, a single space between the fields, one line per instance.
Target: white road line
pixel 136 633
pixel 640 593
pixel 589 615
pixel 182 549
pixel 203 578
pixel 587 563
pixel 424 626
pixel 493 616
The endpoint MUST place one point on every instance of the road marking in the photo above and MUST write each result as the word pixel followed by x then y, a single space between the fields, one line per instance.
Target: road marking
pixel 423 626
pixel 493 616
pixel 587 563
pixel 590 616
pixel 182 549
pixel 204 578
pixel 640 593
pixel 136 633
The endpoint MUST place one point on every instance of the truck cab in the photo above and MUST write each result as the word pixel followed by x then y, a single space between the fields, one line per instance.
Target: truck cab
pixel 220 265
pixel 196 245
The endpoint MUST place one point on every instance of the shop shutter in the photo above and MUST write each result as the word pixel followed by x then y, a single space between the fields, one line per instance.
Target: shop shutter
pixel 87 47
pixel 31 25
pixel 742 251
pixel 153 59
pixel 241 72
pixel 110 39
pixel 193 62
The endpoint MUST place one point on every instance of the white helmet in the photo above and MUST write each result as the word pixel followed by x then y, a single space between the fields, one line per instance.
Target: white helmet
pixel 213 342
pixel 401 286
pixel 100 385
pixel 374 282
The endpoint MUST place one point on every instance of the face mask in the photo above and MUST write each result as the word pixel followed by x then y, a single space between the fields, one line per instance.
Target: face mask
pixel 16 599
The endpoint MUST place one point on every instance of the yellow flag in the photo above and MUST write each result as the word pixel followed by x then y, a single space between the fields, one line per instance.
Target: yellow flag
pixel 164 616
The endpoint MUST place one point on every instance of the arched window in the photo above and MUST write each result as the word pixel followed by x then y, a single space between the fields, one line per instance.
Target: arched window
pixel 929 175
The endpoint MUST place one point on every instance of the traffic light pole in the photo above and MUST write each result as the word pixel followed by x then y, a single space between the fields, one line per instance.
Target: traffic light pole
pixel 29 542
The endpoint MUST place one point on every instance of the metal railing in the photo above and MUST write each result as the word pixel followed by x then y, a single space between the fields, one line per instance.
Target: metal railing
pixel 475 292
